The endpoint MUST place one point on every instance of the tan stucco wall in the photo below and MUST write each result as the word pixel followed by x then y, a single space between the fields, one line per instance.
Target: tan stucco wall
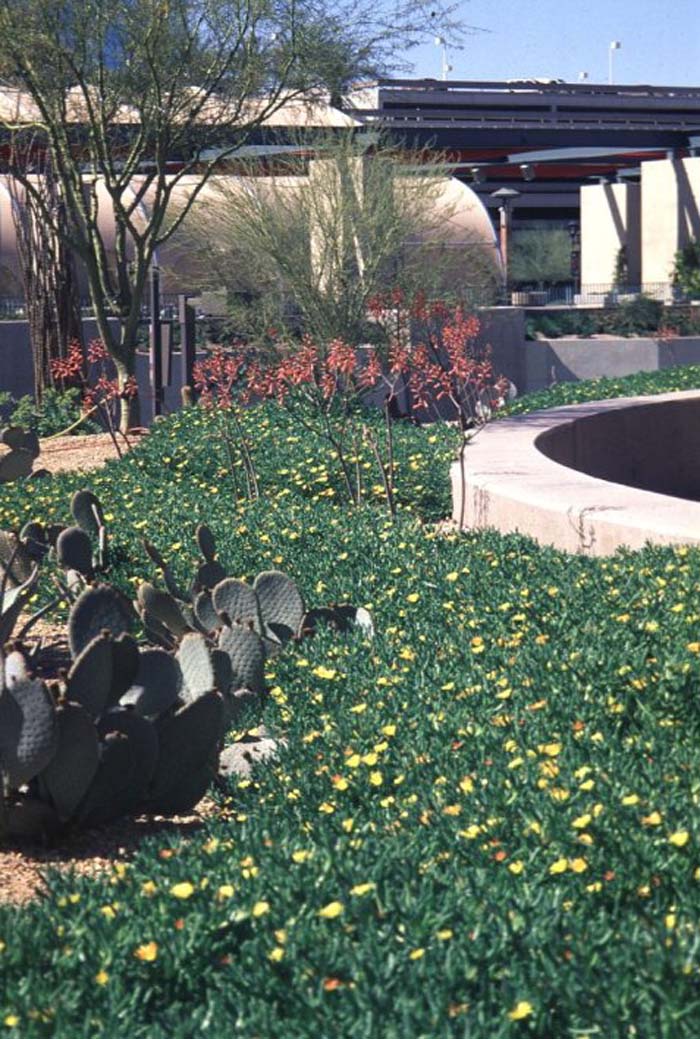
pixel 610 219
pixel 670 213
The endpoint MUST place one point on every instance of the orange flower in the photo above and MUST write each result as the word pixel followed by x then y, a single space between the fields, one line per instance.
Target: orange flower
pixel 330 984
pixel 147 952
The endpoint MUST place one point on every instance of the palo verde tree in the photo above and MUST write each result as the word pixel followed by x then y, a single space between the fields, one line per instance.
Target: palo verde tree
pixel 129 97
pixel 306 250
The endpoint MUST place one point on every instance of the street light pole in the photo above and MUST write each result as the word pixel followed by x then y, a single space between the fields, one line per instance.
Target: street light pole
pixel 440 41
pixel 614 46
pixel 505 198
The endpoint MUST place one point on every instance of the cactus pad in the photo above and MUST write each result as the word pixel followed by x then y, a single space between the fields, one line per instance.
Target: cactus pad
pixel 72 769
pixel 206 542
pixel 14 464
pixel 163 607
pixel 90 677
pixel 87 512
pixel 157 683
pixel 194 657
pixel 19 439
pixel 118 785
pixel 281 603
pixel 205 613
pixel 12 548
pixel 74 551
pixel 97 608
pixel 125 666
pixel 208 576
pixel 247 654
pixel 28 731
pixel 188 757
pixel 236 603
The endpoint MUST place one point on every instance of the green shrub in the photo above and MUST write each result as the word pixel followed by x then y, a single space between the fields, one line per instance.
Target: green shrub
pixel 686 269
pixel 485 822
pixel 58 410
pixel 635 317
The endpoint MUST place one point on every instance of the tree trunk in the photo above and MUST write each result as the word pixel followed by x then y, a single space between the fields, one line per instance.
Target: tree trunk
pixel 129 407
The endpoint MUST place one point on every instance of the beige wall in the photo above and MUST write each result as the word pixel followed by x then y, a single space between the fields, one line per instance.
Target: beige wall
pixel 670 213
pixel 610 219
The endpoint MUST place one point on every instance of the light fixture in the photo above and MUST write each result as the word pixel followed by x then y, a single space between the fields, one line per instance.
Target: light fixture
pixel 614 46
pixel 528 171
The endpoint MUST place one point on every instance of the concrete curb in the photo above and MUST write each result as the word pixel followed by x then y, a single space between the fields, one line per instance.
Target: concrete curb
pixel 524 474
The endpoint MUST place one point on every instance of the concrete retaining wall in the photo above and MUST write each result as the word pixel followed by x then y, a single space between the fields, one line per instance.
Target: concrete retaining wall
pixel 519 475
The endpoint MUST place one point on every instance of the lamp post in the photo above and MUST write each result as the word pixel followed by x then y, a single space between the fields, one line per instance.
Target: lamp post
pixel 505 198
pixel 614 46
pixel 440 41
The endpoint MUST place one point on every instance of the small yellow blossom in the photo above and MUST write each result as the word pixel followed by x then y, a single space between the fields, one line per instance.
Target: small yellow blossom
pixel 679 839
pixel 559 866
pixel 521 1010
pixel 362 889
pixel 331 911
pixel 416 954
pixel 183 890
pixel 102 977
pixel 260 908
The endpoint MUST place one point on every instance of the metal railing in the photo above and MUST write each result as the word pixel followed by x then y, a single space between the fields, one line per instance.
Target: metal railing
pixel 593 295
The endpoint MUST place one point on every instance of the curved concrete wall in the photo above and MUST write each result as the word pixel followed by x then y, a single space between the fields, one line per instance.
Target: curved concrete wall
pixel 640 457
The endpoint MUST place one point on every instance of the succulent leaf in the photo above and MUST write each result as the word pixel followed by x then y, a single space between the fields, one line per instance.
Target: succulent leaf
pixel 281 603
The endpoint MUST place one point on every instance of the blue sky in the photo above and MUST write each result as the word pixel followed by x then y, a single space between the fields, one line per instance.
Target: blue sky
pixel 558 39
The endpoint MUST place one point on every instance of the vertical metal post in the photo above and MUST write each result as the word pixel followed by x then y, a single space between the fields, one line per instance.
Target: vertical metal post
pixel 187 339
pixel 156 353
pixel 504 241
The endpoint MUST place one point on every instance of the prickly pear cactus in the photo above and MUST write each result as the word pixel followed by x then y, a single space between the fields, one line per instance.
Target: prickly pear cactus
pixel 247 654
pixel 67 778
pixel 86 509
pixel 281 603
pixel 188 757
pixel 74 551
pixel 98 608
pixel 28 731
pixel 236 603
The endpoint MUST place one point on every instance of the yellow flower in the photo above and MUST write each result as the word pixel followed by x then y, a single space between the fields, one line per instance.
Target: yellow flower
pixel 560 866
pixel 376 778
pixel 670 921
pixel 276 954
pixel 330 911
pixel 147 952
pixel 453 576
pixel 416 954
pixel 578 865
pixel 516 867
pixel 521 1010
pixel 413 597
pixel 11 1021
pixel 260 908
pixel 389 730
pixel 324 672
pixel 362 889
pixel 348 825
pixel 466 785
pixel 679 838
pixel 183 890
pixel 148 888
pixel 225 891
pixel 582 822
pixel 471 832
pixel 550 749
pixel 301 855
pixel 109 912
pixel 630 799
pixel 445 934
pixel 653 819
pixel 354 760
pixel 102 977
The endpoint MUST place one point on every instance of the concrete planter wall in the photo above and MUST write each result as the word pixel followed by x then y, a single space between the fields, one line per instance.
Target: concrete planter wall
pixel 558 475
